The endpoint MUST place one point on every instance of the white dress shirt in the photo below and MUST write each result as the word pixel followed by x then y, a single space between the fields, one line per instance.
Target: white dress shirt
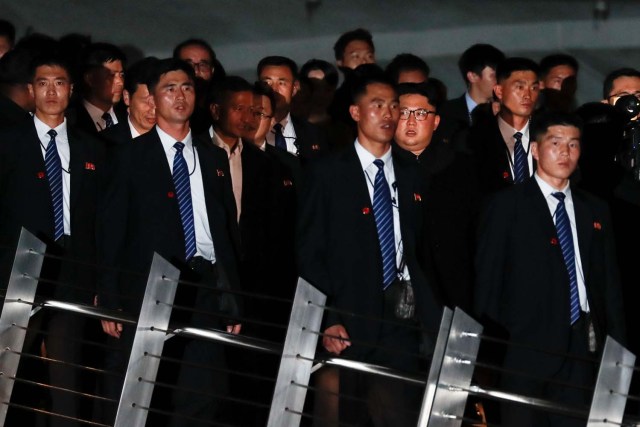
pixel 204 241
pixel 96 115
pixel 289 135
pixel 370 170
pixel 62 145
pixel 507 131
pixel 552 202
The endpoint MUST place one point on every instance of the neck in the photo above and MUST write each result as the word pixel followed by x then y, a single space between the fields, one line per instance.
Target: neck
pixel 477 95
pixel 378 149
pixel 179 131
pixel 104 106
pixel 52 121
pixel 517 122
pixel 229 140
pixel 279 115
pixel 556 183
pixel 141 130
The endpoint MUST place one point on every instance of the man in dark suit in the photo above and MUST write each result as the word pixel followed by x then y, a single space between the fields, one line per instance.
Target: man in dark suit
pixel 478 68
pixel 50 183
pixel 451 190
pixel 359 237
pixel 16 102
pixel 141 114
pixel 291 134
pixel 102 67
pixel 547 275
pixel 149 208
pixel 500 144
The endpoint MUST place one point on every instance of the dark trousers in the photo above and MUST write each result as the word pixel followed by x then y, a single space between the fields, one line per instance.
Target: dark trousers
pixel 574 372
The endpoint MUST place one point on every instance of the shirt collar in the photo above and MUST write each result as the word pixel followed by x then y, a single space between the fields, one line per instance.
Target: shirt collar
pixel 548 190
pixel 220 143
pixel 168 141
pixel 366 158
pixel 42 129
pixel 471 104
pixel 134 131
pixel 95 112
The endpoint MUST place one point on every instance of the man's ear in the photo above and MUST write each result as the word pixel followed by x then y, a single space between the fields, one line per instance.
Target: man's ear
pixel 126 98
pixel 296 87
pixel 497 90
pixel 215 111
pixel 30 89
pixel 534 150
pixel 339 62
pixel 354 110
pixel 472 77
pixel 70 90
pixel 436 122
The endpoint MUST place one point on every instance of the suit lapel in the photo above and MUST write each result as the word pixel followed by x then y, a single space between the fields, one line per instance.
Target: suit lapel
pixel 77 152
pixel 584 227
pixel 355 179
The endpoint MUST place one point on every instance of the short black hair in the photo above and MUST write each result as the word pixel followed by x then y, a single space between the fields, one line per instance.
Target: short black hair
pixel 513 64
pixel 220 91
pixel 406 62
pixel 15 67
pixel 195 42
pixel 164 66
pixel 96 55
pixel 365 75
pixel 477 57
pixel 541 122
pixel 52 60
pixel 346 38
pixel 263 89
pixel 278 61
pixel 8 30
pixel 427 89
pixel 554 60
pixel 614 75
pixel 139 73
pixel 329 70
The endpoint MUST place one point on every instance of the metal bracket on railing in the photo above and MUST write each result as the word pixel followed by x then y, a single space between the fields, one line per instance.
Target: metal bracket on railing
pixel 306 317
pixel 149 339
pixel 21 291
pixel 451 370
pixel 612 385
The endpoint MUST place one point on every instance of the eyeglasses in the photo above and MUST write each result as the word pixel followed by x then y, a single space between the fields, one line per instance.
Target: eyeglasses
pixel 205 65
pixel 419 113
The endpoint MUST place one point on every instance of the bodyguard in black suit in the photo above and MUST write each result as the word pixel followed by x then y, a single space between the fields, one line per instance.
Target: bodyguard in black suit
pixel 547 284
pixel 296 136
pixel 142 215
pixel 340 252
pixel 15 100
pixel 501 145
pixel 50 183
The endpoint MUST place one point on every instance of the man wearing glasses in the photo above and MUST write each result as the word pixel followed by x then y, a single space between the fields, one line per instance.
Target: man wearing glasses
pixel 621 82
pixel 448 179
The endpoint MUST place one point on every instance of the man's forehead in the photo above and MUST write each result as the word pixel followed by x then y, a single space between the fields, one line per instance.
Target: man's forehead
pixel 414 99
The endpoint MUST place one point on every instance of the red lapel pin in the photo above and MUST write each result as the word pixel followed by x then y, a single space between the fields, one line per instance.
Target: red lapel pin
pixel 170 194
pixel 554 241
pixel 287 183
pixel 41 175
pixel 315 147
pixel 89 166
pixel 597 225
pixel 417 197
pixel 219 172
pixel 505 175
pixel 366 210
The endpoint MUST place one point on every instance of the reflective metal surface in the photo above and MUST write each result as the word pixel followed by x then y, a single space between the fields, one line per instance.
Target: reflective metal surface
pixel 20 289
pixel 612 385
pixel 293 369
pixel 227 338
pixel 149 338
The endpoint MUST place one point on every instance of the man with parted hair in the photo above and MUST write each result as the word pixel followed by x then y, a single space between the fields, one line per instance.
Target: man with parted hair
pixel 16 102
pixel 478 69
pixel 558 82
pixel 621 82
pixel 547 277
pixel 408 68
pixel 102 69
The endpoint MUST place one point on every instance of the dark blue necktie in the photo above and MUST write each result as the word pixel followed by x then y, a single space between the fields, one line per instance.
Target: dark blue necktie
pixel 383 213
pixel 108 121
pixel 54 176
pixel 565 236
pixel 281 142
pixel 520 164
pixel 183 192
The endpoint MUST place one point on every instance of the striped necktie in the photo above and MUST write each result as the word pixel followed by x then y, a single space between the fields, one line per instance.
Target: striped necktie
pixel 54 176
pixel 183 192
pixel 281 142
pixel 520 164
pixel 108 121
pixel 565 236
pixel 383 213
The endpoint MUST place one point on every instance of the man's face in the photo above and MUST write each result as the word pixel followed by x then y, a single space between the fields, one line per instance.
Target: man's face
pixel 280 78
pixel 174 98
pixel 518 93
pixel 412 76
pixel 415 135
pixel 262 121
pixel 484 82
pixel 557 153
pixel 141 110
pixel 5 45
pixel 234 116
pixel 625 85
pixel 556 76
pixel 51 89
pixel 200 59
pixel 376 114
pixel 107 82
pixel 357 52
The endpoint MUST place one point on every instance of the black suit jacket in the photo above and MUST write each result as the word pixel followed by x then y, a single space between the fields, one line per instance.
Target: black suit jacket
pixel 11 113
pixel 25 201
pixel 338 245
pixel 454 116
pixel 80 118
pixel 492 156
pixel 141 216
pixel 117 134
pixel 310 140
pixel 522 281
